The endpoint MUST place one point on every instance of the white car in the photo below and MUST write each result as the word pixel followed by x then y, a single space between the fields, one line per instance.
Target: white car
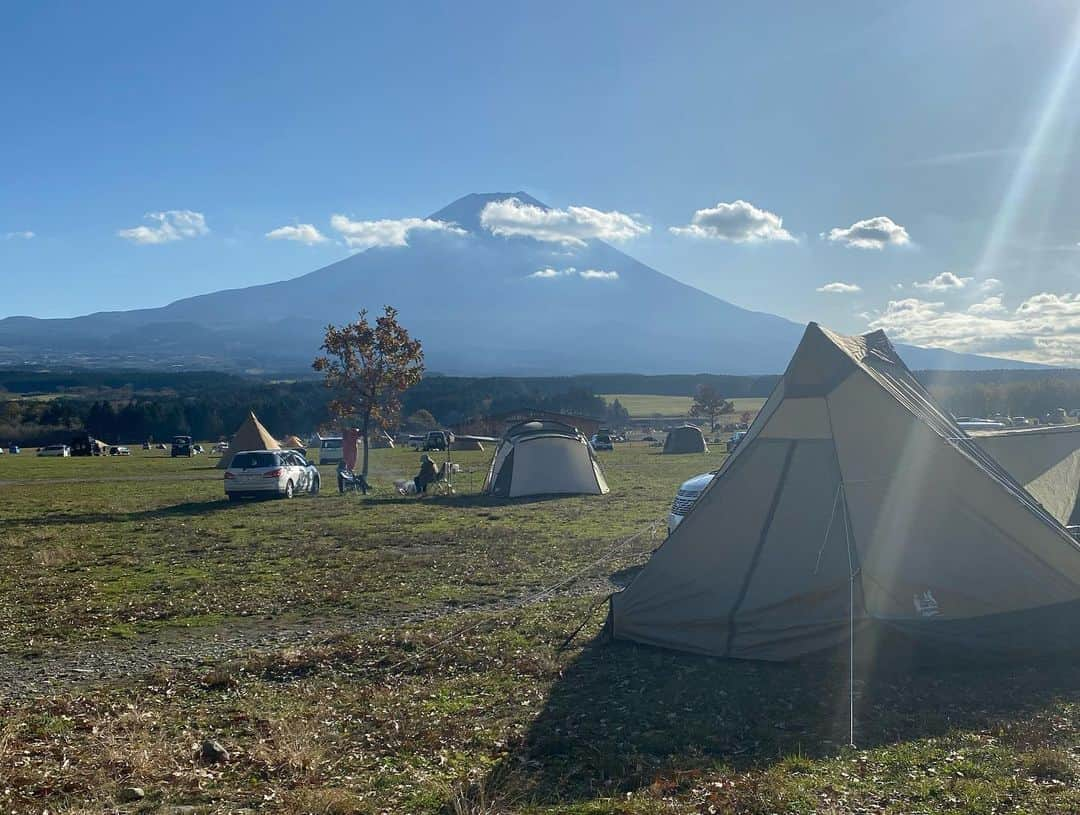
pixel 270 473
pixel 331 450
pixel 686 497
pixel 58 450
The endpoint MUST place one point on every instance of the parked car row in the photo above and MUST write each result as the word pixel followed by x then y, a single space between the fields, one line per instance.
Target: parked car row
pixel 1000 421
pixel 67 450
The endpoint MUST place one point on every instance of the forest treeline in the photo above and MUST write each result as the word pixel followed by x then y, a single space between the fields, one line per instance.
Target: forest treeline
pixel 130 406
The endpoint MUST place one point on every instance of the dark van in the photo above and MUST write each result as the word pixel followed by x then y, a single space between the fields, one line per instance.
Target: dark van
pixel 182 446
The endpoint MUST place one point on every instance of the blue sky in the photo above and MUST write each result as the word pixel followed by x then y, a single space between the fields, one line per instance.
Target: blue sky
pixel 955 122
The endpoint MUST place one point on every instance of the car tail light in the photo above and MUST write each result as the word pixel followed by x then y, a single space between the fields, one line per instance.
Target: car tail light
pixel 229 474
pixel 276 473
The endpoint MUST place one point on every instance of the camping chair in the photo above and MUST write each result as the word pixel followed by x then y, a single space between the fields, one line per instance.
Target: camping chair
pixel 444 482
pixel 442 485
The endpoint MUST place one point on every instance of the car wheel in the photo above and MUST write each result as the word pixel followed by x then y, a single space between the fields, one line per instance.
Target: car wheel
pixel 288 489
pixel 314 487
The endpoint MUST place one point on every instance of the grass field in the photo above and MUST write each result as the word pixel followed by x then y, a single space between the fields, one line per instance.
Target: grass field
pixel 426 669
pixel 642 406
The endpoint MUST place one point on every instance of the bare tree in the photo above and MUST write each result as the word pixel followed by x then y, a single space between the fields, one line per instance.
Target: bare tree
pixel 369 367
pixel 708 402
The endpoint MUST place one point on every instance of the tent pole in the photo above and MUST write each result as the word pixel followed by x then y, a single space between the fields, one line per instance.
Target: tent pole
pixel 449 465
pixel 851 661
pixel 851 629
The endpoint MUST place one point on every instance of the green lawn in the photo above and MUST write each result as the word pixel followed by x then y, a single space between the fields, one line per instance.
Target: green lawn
pixel 426 685
pixel 643 406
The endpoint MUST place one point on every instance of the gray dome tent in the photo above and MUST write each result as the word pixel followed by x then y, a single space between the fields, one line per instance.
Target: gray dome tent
pixel 544 458
pixel 855 505
pixel 685 439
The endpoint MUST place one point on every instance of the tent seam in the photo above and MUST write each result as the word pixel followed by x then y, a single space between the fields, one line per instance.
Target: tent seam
pixel 773 506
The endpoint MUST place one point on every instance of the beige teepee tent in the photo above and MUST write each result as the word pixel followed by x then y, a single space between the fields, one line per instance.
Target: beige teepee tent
pixel 856 507
pixel 1046 460
pixel 251 435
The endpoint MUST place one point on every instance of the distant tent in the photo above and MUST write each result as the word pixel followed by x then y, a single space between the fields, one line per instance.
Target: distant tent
pixel 251 435
pixel 1045 460
pixel 293 443
pixel 467 443
pixel 856 506
pixel 86 445
pixel 544 458
pixel 380 440
pixel 685 439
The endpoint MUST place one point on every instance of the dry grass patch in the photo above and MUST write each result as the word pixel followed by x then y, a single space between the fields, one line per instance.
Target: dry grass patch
pixel 54 557
pixel 289 748
pixel 329 801
pixel 1048 764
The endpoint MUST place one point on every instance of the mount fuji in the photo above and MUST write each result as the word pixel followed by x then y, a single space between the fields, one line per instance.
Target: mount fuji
pixel 474 298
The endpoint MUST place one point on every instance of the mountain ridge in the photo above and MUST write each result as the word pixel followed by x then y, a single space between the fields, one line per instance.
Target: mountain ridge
pixel 472 298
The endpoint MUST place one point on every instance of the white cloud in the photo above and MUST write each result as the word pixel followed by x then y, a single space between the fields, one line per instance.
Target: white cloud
pixel 989 306
pixel 946 281
pixel 549 273
pixel 1043 328
pixel 171 225
pixel 589 274
pixel 387 232
pixel 839 288
pixel 737 222
pixel 302 233
pixel 989 284
pixel 25 235
pixel 573 225
pixel 872 233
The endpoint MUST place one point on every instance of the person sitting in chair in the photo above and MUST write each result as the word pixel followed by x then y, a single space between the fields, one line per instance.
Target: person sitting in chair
pixel 427 474
pixel 347 479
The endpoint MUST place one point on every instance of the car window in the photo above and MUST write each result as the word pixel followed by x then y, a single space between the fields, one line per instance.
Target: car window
pixel 248 461
pixel 331 443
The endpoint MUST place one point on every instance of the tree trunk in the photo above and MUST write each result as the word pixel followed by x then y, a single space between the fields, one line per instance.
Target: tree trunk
pixel 364 436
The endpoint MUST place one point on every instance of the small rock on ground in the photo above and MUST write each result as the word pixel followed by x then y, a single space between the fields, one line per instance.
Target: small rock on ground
pixel 129 794
pixel 212 752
